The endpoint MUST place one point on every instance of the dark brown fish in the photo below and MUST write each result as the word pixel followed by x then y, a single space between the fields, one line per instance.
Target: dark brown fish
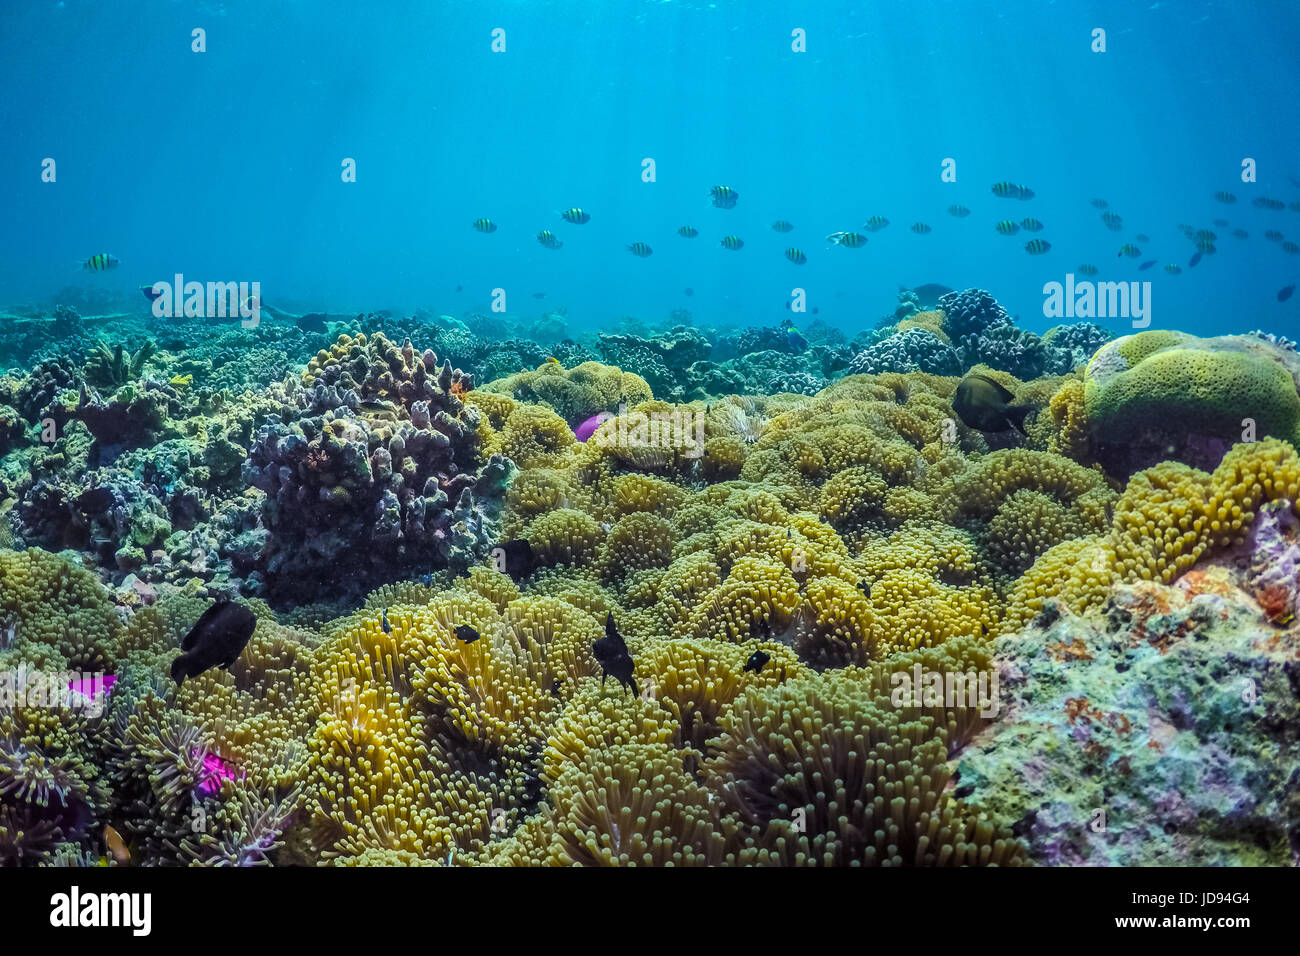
pixel 217 640
pixel 611 653
pixel 984 404
pixel 466 633
pixel 519 560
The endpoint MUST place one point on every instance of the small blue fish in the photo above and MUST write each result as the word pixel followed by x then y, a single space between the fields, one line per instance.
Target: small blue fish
pixel 1284 294
pixel 1146 265
pixel 1195 259
pixel 427 579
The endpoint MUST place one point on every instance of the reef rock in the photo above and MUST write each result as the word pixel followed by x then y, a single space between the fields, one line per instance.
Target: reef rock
pixel 1164 730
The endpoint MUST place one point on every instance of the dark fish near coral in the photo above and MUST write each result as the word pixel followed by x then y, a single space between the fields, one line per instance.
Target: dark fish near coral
pixel 311 322
pixel 875 224
pixel 576 216
pixel 756 662
pixel 1036 247
pixel 961 212
pixel 688 232
pixel 796 256
pixel 383 621
pixel 864 587
pixel 1146 265
pixel 611 653
pixel 921 228
pixel 782 226
pixel 519 560
pixel 734 243
pixel 95 501
pixel 466 633
pixel 984 404
pixel 484 224
pixel 216 640
pixel 1284 294
pixel 796 341
pixel 640 250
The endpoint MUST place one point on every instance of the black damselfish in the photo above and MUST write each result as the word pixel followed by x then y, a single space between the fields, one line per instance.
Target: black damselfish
pixel 756 662
pixel 217 640
pixel 466 633
pixel 611 653
pixel 519 561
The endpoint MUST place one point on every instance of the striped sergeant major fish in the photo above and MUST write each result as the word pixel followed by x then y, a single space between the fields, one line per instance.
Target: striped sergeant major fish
pixel 100 263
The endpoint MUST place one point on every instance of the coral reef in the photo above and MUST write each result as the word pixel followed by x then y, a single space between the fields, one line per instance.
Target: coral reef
pixel 786 528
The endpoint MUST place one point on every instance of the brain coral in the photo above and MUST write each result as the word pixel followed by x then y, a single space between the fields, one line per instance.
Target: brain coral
pixel 1158 395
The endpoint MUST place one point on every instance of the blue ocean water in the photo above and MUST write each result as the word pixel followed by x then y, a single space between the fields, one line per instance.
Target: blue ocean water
pixel 225 164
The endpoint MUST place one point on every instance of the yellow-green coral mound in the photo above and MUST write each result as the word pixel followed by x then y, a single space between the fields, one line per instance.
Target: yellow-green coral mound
pixel 51 602
pixel 575 393
pixel 1158 395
